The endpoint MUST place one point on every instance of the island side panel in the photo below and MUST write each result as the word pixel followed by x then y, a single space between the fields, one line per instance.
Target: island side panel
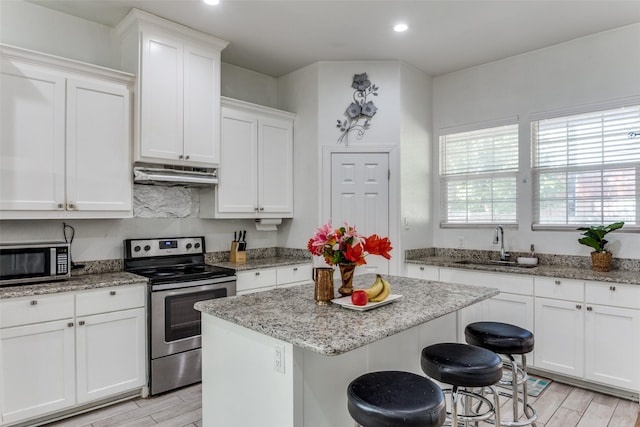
pixel 240 384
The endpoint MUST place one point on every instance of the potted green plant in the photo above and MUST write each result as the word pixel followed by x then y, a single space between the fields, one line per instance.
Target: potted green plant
pixel 594 237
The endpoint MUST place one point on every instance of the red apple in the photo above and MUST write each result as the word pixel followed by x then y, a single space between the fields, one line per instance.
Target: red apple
pixel 359 297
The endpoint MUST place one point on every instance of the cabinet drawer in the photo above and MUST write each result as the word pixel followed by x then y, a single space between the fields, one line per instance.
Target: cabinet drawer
pixel 613 294
pixel 294 273
pixel 565 289
pixel 110 299
pixel 510 283
pixel 255 279
pixel 425 272
pixel 36 309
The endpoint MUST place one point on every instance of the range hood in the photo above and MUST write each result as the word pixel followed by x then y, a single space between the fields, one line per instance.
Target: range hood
pixel 169 176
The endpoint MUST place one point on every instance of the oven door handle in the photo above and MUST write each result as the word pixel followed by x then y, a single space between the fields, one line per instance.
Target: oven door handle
pixel 180 285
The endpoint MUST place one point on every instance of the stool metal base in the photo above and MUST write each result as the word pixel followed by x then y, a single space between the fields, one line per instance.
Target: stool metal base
pixel 471 411
pixel 516 376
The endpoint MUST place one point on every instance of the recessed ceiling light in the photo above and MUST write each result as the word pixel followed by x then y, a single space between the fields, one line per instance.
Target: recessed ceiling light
pixel 211 2
pixel 398 28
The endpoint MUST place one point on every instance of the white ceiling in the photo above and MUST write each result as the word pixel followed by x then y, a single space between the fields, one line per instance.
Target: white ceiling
pixel 277 37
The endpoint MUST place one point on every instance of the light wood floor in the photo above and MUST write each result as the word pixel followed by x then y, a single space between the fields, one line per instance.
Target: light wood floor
pixel 559 405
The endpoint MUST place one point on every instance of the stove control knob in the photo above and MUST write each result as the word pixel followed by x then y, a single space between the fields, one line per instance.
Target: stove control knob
pixel 189 245
pixel 197 245
pixel 136 249
pixel 147 248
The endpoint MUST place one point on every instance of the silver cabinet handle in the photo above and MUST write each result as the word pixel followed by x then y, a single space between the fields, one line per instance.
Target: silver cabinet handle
pixel 71 206
pixel 589 308
pixel 257 273
pixel 180 156
pixel 578 306
pixel 112 293
pixel 60 205
pixel 612 288
pixel 81 323
pixel 186 157
pixel 34 302
pixel 421 268
pixel 70 325
pixel 295 268
pixel 557 282
pixel 261 209
pixel 255 209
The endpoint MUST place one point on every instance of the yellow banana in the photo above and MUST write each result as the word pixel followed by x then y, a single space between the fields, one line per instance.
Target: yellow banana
pixel 386 290
pixel 375 289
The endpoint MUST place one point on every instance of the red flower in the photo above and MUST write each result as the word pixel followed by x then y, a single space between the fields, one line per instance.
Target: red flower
pixel 377 246
pixel 354 254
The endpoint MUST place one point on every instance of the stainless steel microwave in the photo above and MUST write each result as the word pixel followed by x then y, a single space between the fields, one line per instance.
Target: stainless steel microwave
pixel 24 263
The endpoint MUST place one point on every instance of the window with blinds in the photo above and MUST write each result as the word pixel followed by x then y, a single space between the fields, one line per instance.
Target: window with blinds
pixel 478 172
pixel 586 168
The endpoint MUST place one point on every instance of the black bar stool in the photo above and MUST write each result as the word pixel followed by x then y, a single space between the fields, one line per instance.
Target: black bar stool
pixel 508 340
pixel 395 398
pixel 465 367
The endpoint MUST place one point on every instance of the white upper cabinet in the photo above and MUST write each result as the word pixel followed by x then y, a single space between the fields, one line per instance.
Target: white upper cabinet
pixel 177 110
pixel 256 167
pixel 65 138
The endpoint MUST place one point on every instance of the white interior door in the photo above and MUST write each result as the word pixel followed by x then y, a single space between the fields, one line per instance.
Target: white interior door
pixel 360 196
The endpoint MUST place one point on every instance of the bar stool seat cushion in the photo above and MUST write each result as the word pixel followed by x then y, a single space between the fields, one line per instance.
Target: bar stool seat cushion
pixel 502 338
pixel 395 398
pixel 461 364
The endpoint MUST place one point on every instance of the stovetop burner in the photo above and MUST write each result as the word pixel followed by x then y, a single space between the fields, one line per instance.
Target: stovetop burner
pixel 170 260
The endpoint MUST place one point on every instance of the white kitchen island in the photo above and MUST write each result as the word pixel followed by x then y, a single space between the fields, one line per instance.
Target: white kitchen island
pixel 276 359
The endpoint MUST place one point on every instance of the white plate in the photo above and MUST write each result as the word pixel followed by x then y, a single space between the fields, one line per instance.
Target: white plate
pixel 346 302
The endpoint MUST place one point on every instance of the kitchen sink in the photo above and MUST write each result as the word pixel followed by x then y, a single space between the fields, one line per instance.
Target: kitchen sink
pixel 494 263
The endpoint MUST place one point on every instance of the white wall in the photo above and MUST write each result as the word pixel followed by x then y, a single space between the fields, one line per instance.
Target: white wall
pixel 592 69
pixel 41 29
pixel 246 85
pixel 415 161
pixel 298 91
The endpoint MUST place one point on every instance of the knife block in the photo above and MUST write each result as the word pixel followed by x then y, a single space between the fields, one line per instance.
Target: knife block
pixel 235 255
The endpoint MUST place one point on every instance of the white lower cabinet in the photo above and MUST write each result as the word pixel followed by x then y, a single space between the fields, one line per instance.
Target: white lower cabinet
pixel 53 358
pixel 266 279
pixel 38 369
pixel 514 303
pixel 424 272
pixel 598 339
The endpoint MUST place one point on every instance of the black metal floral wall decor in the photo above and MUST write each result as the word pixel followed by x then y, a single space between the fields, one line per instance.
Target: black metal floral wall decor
pixel 359 113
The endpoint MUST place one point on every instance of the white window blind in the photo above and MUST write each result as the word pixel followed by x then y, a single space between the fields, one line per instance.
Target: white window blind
pixel 586 168
pixel 478 171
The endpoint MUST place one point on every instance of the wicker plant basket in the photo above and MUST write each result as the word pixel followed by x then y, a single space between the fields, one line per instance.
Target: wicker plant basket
pixel 601 261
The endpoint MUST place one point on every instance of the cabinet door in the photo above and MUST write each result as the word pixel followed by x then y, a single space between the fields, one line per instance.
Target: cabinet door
pixel 161 99
pixel 98 147
pixel 38 369
pixel 32 139
pixel 275 167
pixel 424 272
pixel 612 346
pixel 111 353
pixel 201 106
pixel 510 308
pixel 559 349
pixel 237 191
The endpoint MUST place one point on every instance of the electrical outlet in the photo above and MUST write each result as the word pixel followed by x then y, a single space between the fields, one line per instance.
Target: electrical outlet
pixel 278 358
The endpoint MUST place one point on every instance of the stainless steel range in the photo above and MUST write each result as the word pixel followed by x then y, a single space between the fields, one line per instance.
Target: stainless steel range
pixel 178 278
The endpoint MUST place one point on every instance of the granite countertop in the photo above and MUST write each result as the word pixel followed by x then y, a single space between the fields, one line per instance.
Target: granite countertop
pixel 258 263
pixel 566 272
pixel 75 283
pixel 291 314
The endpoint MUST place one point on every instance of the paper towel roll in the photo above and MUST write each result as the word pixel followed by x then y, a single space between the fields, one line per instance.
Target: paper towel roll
pixel 268 224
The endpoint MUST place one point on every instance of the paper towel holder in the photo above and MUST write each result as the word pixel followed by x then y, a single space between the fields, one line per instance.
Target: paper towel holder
pixel 268 224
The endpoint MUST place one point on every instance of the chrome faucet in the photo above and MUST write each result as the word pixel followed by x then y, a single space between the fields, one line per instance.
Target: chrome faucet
pixel 499 238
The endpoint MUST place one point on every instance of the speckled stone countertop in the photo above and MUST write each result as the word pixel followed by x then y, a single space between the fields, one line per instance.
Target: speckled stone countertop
pixel 272 262
pixel 291 315
pixel 561 271
pixel 75 283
